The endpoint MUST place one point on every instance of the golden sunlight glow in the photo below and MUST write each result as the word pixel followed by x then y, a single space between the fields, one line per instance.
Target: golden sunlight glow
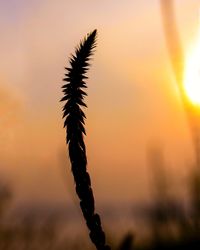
pixel 192 73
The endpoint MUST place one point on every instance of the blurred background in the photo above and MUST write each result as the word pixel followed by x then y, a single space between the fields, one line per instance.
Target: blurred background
pixel 138 138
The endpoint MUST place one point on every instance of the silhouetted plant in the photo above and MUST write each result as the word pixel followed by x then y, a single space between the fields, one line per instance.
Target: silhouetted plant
pixel 74 123
pixel 127 242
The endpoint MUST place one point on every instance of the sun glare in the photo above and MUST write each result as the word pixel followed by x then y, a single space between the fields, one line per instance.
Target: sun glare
pixel 192 73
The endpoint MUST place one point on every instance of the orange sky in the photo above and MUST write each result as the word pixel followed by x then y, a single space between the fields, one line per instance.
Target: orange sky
pixel 132 99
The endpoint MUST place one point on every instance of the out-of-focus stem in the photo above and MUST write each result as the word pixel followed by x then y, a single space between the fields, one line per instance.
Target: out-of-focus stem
pixel 172 40
pixel 197 146
pixel 177 61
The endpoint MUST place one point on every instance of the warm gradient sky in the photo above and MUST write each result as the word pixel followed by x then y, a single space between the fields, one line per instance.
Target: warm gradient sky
pixel 132 96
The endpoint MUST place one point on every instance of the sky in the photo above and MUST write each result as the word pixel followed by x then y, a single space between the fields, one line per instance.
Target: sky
pixel 132 98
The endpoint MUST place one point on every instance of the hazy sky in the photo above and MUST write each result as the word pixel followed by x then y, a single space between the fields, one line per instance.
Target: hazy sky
pixel 132 99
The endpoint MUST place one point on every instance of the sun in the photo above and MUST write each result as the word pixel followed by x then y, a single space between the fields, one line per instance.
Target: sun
pixel 192 74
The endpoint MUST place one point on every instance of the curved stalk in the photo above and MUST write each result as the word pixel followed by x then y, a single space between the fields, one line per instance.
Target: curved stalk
pixel 74 123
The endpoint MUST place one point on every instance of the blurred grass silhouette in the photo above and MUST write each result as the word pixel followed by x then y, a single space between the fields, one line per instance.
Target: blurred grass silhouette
pixel 30 228
pixel 171 223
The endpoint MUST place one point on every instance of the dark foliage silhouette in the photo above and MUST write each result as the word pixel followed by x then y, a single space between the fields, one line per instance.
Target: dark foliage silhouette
pixel 127 242
pixel 74 123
